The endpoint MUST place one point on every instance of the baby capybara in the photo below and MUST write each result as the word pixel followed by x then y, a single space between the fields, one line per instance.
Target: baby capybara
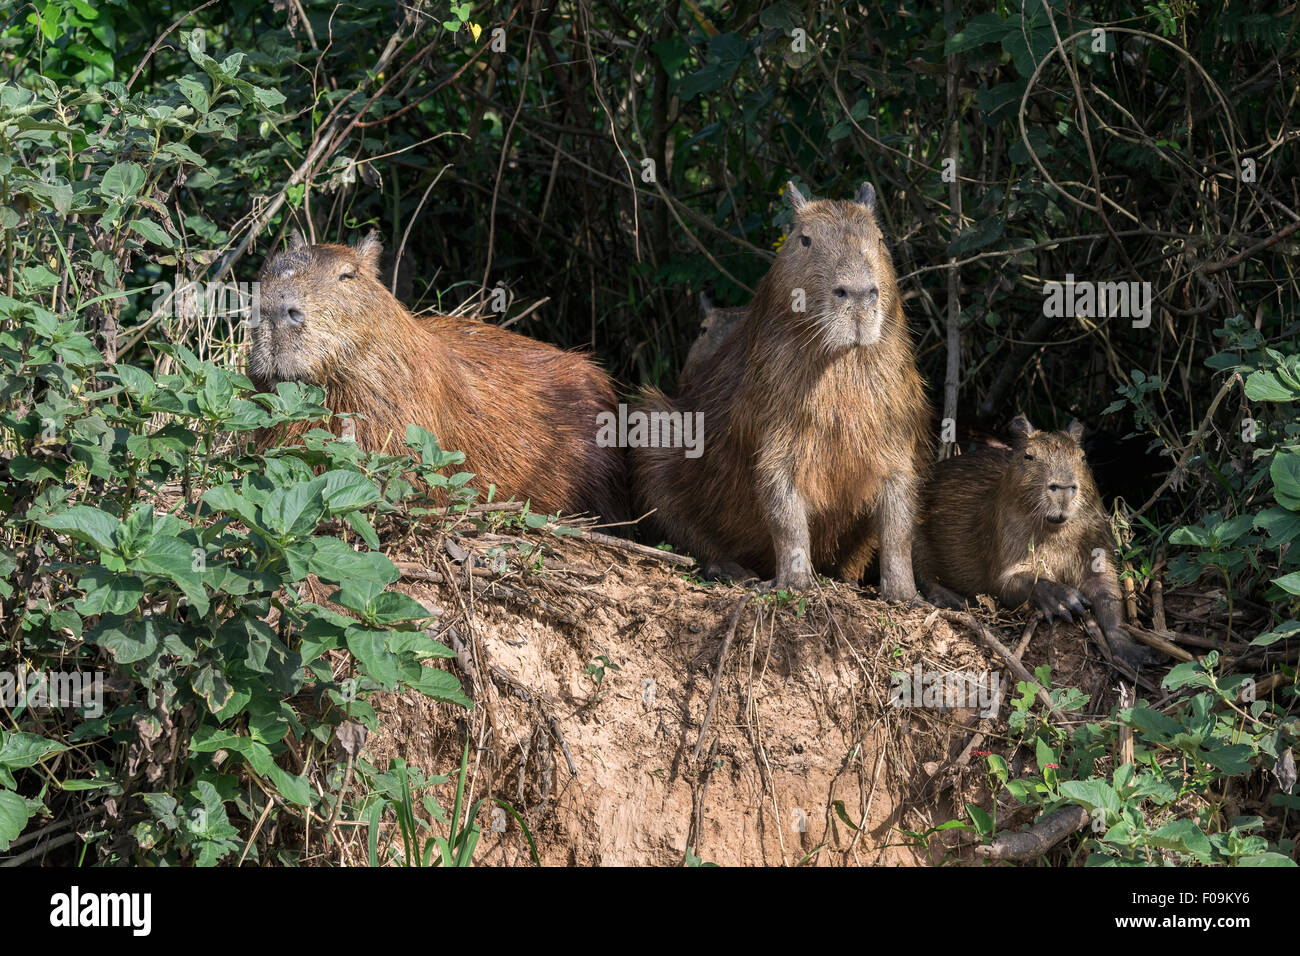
pixel 815 418
pixel 1023 523
pixel 523 412
pixel 716 322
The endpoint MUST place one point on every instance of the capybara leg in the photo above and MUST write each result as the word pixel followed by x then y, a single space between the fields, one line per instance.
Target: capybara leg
pixel 727 571
pixel 1102 591
pixel 940 596
pixel 788 520
pixel 896 581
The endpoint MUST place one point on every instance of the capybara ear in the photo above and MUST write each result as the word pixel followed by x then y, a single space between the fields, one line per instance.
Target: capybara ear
pixel 1020 429
pixel 794 197
pixel 369 250
pixel 706 304
pixel 866 196
pixel 1075 430
pixel 297 239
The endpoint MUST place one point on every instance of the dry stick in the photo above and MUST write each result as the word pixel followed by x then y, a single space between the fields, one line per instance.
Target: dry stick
pixel 717 677
pixel 1191 445
pixel 1038 839
pixel 476 648
pixel 1160 643
pixel 266 812
pixel 1124 745
pixel 505 151
pixel 41 849
pixel 970 622
pixel 643 550
pixel 697 817
pixel 524 314
pixel 1247 253
pixel 1027 634
pixel 1158 622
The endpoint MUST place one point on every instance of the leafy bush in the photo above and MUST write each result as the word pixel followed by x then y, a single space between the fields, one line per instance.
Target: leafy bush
pixel 142 539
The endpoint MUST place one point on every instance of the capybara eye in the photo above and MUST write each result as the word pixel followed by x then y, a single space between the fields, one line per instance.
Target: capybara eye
pixel 806 240
pixel 1028 457
pixel 347 275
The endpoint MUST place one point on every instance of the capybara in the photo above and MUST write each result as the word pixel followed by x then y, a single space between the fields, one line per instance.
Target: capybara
pixel 716 323
pixel 523 412
pixel 1023 523
pixel 815 418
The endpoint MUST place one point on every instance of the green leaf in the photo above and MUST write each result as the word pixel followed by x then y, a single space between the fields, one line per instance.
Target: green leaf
pixel 391 607
pixel 1265 386
pixel 347 491
pixel 210 684
pixel 985 28
pixel 19 750
pixel 983 822
pixel 1285 472
pixel 151 231
pixel 173 559
pixel 13 817
pixel 85 523
pixel 295 511
pixel 122 182
pixel 441 686
pixel 1091 794
pixel 976 237
pixel 1184 836
pixel 368 647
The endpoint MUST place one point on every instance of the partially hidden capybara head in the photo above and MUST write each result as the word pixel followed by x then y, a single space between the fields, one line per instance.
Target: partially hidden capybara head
pixel 318 306
pixel 835 255
pixel 1048 475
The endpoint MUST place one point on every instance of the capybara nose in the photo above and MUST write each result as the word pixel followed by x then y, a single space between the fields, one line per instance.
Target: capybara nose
pixel 293 316
pixel 1063 493
pixel 865 294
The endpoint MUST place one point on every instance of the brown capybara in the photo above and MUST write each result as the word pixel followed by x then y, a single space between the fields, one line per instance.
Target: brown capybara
pixel 523 412
pixel 1023 523
pixel 814 415
pixel 716 323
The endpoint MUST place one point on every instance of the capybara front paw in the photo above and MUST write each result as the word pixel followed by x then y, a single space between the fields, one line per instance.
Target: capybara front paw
pixel 901 591
pixel 1059 600
pixel 1130 651
pixel 792 581
pixel 793 571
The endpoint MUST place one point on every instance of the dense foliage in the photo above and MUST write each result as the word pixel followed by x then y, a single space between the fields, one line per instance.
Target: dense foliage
pixel 605 163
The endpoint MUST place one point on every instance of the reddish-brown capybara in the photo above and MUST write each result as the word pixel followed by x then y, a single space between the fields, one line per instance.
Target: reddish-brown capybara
pixel 522 411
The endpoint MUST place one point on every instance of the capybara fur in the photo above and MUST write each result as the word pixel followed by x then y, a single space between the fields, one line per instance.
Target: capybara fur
pixel 716 323
pixel 523 412
pixel 1023 523
pixel 815 418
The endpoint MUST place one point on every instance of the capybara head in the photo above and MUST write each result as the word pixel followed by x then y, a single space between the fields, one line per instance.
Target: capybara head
pixel 836 254
pixel 319 305
pixel 1051 478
